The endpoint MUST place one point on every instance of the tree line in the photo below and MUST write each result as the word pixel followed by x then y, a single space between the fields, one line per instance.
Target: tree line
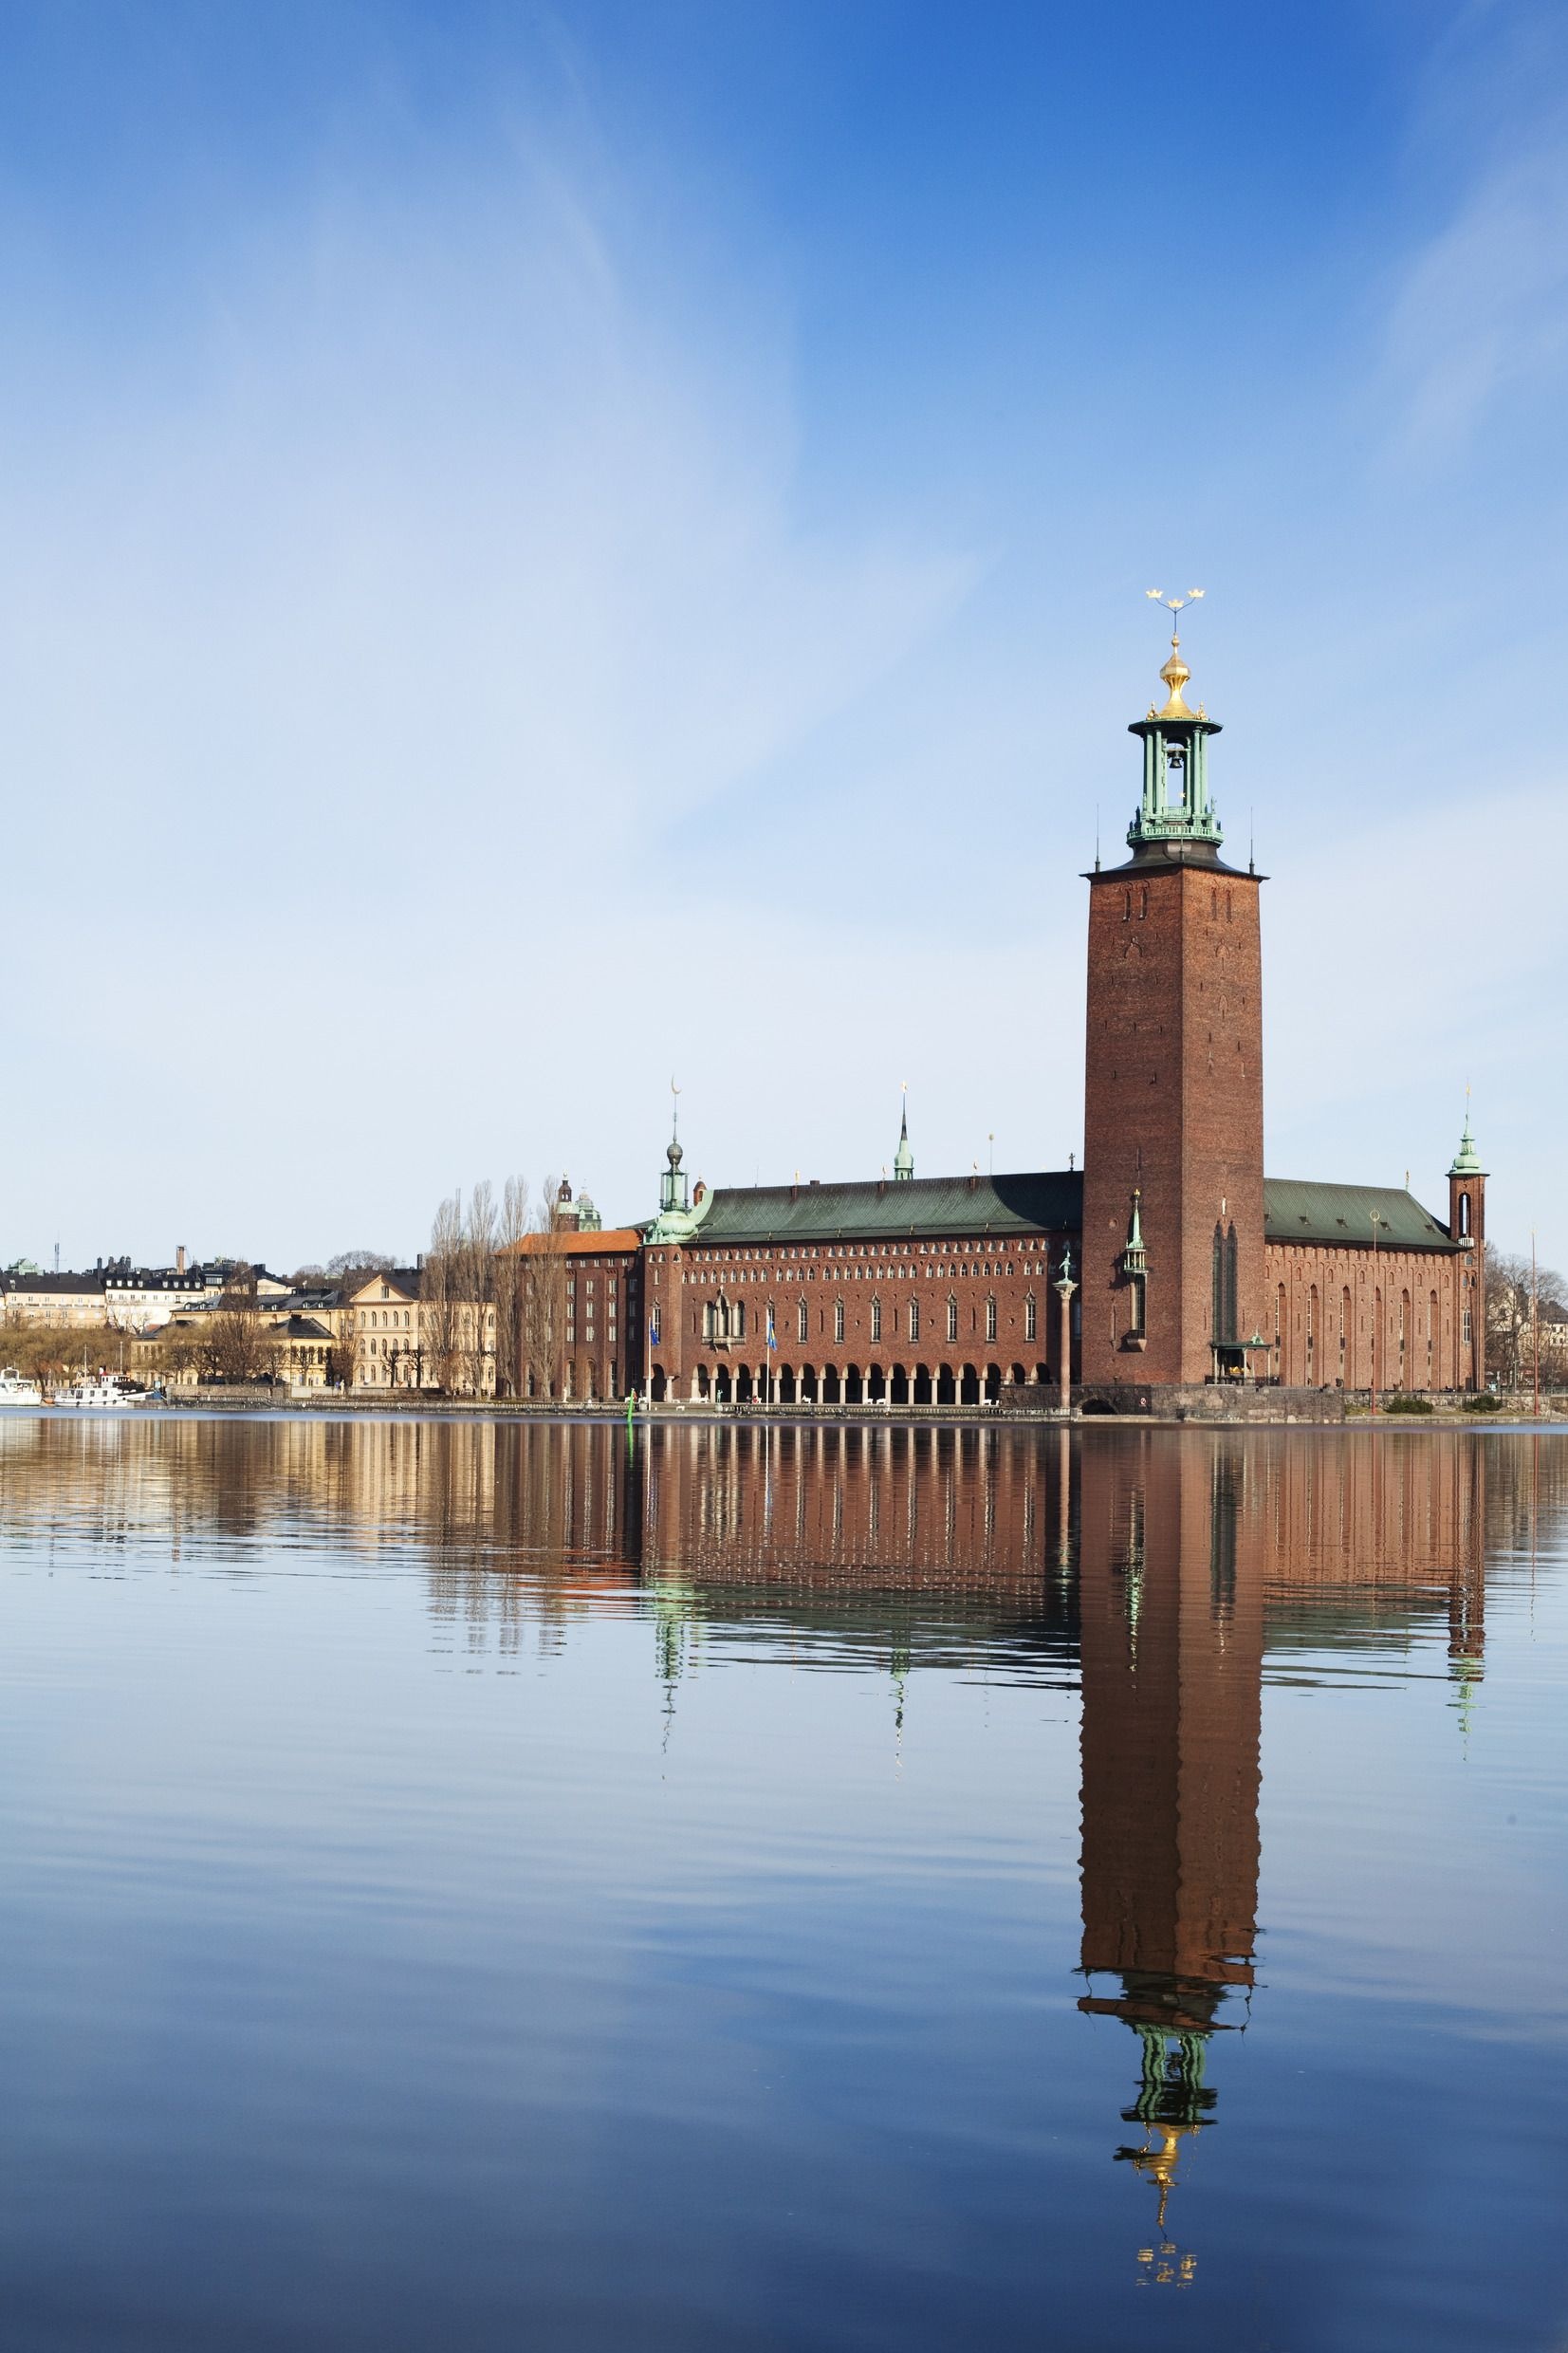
pixel 1512 1287
pixel 494 1290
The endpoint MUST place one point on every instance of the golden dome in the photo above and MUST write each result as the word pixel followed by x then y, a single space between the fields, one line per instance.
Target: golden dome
pixel 1175 675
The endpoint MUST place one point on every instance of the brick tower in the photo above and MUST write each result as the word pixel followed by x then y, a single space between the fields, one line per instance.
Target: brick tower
pixel 1172 1268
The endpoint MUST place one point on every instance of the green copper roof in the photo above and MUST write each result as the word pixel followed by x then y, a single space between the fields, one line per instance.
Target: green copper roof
pixel 1466 1162
pixel 1048 1203
pixel 1341 1214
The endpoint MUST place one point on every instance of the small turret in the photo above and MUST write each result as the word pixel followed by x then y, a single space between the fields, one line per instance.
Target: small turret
pixel 903 1160
pixel 672 1192
pixel 1468 1224
pixel 1467 1161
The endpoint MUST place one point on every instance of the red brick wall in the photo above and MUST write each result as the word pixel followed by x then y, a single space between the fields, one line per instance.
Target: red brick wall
pixel 1174 1105
pixel 969 1271
pixel 1306 1286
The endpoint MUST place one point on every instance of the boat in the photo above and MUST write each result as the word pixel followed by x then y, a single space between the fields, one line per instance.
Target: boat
pixel 16 1390
pixel 95 1391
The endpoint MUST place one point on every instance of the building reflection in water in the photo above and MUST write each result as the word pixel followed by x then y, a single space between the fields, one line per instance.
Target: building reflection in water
pixel 1161 1566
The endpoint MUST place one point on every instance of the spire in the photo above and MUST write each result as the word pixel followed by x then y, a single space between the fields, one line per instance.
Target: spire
pixel 672 1183
pixel 1467 1161
pixel 903 1160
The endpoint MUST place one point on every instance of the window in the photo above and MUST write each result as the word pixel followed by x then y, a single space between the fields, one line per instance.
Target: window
pixel 953 1319
pixel 802 1322
pixel 990 1319
pixel 837 1319
pixel 1031 1319
pixel 876 1318
pixel 915 1319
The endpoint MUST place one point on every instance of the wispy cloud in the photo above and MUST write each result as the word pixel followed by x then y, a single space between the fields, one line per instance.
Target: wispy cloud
pixel 431 516
pixel 357 637
pixel 1482 313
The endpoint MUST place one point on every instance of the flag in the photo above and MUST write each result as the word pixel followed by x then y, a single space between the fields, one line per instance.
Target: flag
pixel 772 1336
pixel 653 1327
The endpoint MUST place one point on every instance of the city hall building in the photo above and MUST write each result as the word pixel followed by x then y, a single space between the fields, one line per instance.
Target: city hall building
pixel 1168 1264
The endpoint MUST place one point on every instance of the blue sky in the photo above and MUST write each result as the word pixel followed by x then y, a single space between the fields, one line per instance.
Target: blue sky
pixel 546 548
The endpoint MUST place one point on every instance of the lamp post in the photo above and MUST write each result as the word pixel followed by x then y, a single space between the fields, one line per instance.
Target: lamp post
pixel 1065 1287
pixel 1376 1308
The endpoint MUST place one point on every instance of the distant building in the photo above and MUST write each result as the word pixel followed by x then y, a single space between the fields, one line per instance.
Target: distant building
pixel 73 1300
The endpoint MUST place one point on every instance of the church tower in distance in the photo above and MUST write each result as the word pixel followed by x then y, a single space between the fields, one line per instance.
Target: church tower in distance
pixel 1172 1250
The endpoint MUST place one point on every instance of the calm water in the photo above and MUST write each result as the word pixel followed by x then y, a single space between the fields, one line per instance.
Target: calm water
pixel 476 1887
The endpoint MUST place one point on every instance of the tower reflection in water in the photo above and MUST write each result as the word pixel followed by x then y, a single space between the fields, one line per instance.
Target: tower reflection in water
pixel 1173 1652
pixel 1195 1558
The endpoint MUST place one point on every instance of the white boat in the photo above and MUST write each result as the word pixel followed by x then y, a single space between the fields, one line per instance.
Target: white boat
pixel 97 1390
pixel 14 1390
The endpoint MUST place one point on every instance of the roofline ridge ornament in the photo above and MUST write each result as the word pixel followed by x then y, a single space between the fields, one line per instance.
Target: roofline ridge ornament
pixel 1175 673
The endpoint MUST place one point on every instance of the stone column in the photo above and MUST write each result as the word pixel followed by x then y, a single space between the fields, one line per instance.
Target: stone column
pixel 1064 1289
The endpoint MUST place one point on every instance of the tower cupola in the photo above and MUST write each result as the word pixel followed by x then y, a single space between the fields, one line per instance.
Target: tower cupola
pixel 1467 1161
pixel 1176 806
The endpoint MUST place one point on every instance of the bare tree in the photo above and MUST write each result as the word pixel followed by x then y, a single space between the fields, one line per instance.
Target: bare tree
pixel 545 1300
pixel 1510 1314
pixel 349 1268
pixel 510 1271
pixel 476 1289
pixel 236 1348
pixel 439 1292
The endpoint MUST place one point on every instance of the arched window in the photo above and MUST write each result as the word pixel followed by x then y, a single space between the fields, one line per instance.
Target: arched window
pixel 1223 1285
pixel 1463 1217
pixel 802 1322
pixel 915 1319
pixel 953 1319
pixel 876 1318
pixel 1031 1318
pixel 990 1319
pixel 837 1319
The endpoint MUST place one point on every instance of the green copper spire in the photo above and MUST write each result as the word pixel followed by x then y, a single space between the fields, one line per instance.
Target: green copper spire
pixel 1467 1161
pixel 903 1160
pixel 1175 805
pixel 1135 1258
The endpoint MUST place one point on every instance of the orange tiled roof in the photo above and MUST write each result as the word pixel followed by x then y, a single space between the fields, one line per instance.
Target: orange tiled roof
pixel 572 1244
